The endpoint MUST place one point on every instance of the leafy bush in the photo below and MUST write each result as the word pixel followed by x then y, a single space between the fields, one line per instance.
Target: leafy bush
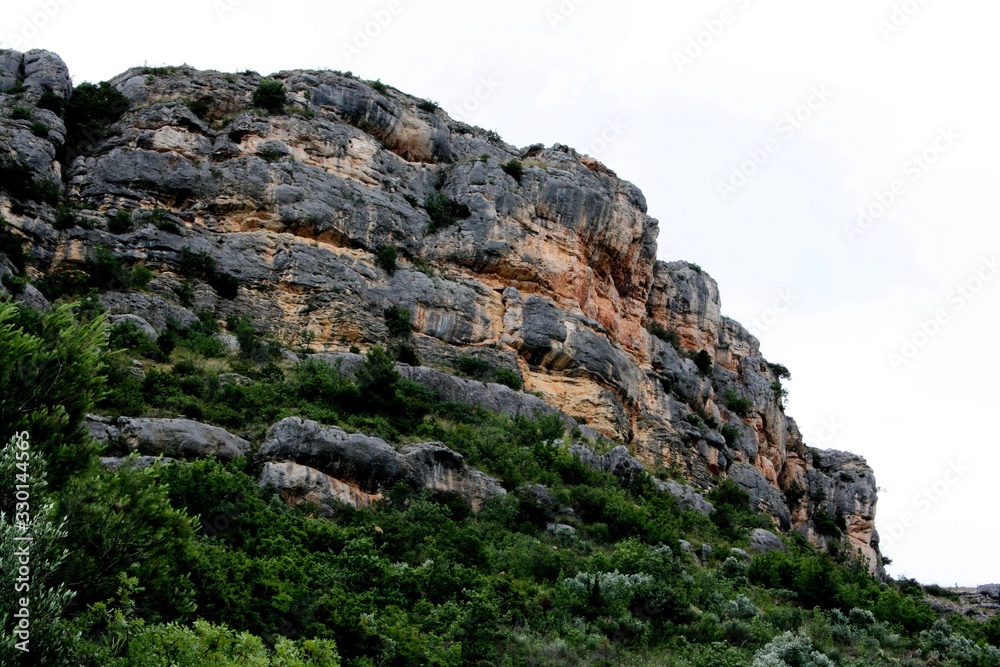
pixel 444 211
pixel 509 378
pixel 40 129
pixel 730 433
pixel 474 367
pixel 120 222
pixel 736 402
pixel 428 106
pixel 269 154
pixel 161 219
pixel 668 336
pixel 385 258
pixel 20 182
pixel 199 264
pixel 20 113
pixel 703 360
pixel 90 113
pixel 378 86
pixel 397 321
pixel 514 169
pixel 270 95
pixel 51 101
pixel 790 650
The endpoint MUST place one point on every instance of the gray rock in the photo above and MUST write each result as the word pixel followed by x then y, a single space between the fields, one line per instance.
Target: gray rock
pixel 143 326
pixel 152 309
pixel 739 553
pixel 297 484
pixel 137 462
pixel 372 465
pixel 226 379
pixel 705 551
pixel 990 590
pixel 176 437
pixel 763 495
pixel 763 541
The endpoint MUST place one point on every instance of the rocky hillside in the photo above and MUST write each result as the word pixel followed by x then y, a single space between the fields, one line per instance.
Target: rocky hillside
pixel 319 205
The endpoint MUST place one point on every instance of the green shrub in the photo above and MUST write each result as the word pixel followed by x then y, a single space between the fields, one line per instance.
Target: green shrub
pixel 826 523
pixel 385 258
pixel 509 378
pixel 162 220
pixel 781 371
pixel 378 86
pixel 474 367
pixel 20 182
pixel 199 264
pixel 794 493
pixel 20 113
pixel 514 169
pixel 730 433
pixel 736 402
pixel 51 101
pixel 90 113
pixel 15 284
pixel 252 344
pixel 444 211
pixel 120 222
pixel 703 360
pixel 200 107
pixel 397 321
pixel 66 217
pixel 271 154
pixel 405 353
pixel 185 293
pixel 141 277
pixel 270 95
pixel 40 129
pixel 668 336
pixel 428 106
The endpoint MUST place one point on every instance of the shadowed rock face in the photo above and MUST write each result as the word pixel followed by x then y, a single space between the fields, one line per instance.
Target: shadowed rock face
pixel 553 276
pixel 367 465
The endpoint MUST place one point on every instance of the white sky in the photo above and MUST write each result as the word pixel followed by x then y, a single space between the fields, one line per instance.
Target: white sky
pixel 572 71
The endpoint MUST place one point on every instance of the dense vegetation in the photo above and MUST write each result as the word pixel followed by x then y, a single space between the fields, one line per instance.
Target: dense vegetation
pixel 196 565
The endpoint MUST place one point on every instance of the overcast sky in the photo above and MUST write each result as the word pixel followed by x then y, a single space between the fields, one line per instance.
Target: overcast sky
pixel 759 130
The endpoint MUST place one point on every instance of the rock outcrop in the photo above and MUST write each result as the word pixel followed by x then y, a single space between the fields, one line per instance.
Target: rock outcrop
pixel 179 438
pixel 358 468
pixel 547 270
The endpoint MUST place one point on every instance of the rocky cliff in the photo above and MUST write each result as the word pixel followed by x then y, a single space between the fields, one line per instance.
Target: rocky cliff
pixel 537 260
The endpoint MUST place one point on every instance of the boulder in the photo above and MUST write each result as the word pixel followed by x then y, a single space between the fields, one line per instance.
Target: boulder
pixel 371 465
pixel 298 483
pixel 763 541
pixel 182 438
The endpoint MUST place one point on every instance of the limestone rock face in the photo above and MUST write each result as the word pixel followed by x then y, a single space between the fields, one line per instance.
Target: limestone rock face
pixel 551 275
pixel 297 484
pixel 181 438
pixel 364 466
